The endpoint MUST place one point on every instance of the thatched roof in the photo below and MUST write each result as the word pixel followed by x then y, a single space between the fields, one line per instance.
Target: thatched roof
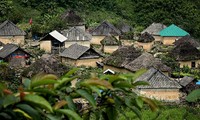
pixel 157 80
pixel 46 64
pixel 106 28
pixel 76 34
pixel 189 39
pixel 122 56
pixel 72 18
pixel 146 60
pixel 154 28
pixel 123 27
pixel 7 28
pixel 76 51
pixel 185 51
pixel 185 81
pixel 110 40
pixel 146 37
pixel 9 49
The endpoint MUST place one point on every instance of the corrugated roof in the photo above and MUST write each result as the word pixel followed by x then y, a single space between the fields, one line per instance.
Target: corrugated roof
pixel 157 80
pixel 7 28
pixel 154 28
pixel 58 36
pixel 106 28
pixel 7 50
pixel 76 34
pixel 173 30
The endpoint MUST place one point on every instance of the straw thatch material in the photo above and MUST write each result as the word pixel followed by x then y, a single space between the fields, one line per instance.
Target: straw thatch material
pixel 189 39
pixel 146 37
pixel 146 60
pixel 122 56
pixel 110 40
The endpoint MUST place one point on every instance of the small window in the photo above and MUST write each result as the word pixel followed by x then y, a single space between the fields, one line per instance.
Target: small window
pixel 193 64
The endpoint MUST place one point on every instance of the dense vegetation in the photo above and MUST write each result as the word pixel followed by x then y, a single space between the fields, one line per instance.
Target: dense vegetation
pixel 139 13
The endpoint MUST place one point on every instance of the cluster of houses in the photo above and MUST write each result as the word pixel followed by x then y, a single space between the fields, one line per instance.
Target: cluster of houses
pixel 75 46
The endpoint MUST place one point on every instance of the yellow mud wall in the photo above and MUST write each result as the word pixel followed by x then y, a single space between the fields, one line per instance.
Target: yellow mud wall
pixel 157 38
pixel 13 39
pixel 169 40
pixel 46 46
pixel 127 42
pixel 188 63
pixel 110 49
pixel 97 39
pixel 169 95
pixel 146 46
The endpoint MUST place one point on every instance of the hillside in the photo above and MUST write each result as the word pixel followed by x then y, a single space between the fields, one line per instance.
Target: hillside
pixel 138 13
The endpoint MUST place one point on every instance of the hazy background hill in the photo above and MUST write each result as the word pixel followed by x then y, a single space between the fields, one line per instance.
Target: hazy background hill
pixel 138 13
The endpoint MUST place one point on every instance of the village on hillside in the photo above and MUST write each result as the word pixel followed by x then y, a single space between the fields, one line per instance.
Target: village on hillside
pixel 169 54
pixel 159 64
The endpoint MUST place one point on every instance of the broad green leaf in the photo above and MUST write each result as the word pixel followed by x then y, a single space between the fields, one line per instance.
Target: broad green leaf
pixel 122 84
pixel 151 103
pixel 97 82
pixel 70 102
pixel 42 82
pixel 5 116
pixel 23 113
pixel 71 72
pixel 42 90
pixel 138 73
pixel 193 96
pixel 112 78
pixel 42 76
pixel 129 103
pixel 27 83
pixel 60 104
pixel 38 101
pixel 111 112
pixel 30 111
pixel 63 82
pixel 138 83
pixel 70 114
pixel 95 89
pixel 9 100
pixel 87 96
pixel 139 102
pixel 53 117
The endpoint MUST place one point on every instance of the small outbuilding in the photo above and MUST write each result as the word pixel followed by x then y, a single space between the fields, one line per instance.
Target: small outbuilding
pixel 110 44
pixel 10 33
pixel 76 35
pixel 54 42
pixel 154 29
pixel 187 55
pixel 101 31
pixel 145 41
pixel 171 34
pixel 79 55
pixel 160 87
pixel 14 55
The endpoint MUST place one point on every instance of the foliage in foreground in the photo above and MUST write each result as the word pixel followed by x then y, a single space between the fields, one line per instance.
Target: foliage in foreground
pixel 49 97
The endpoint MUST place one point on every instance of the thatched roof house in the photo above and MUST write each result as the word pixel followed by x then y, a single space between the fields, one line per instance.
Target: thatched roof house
pixel 72 19
pixel 104 29
pixel 14 54
pixel 145 41
pixel 172 33
pixel 53 42
pixel 186 54
pixel 76 35
pixel 16 35
pixel 80 55
pixel 48 64
pixel 154 28
pixel 146 38
pixel 160 86
pixel 119 58
pixel 189 39
pixel 110 44
pixel 146 60
pixel 122 56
